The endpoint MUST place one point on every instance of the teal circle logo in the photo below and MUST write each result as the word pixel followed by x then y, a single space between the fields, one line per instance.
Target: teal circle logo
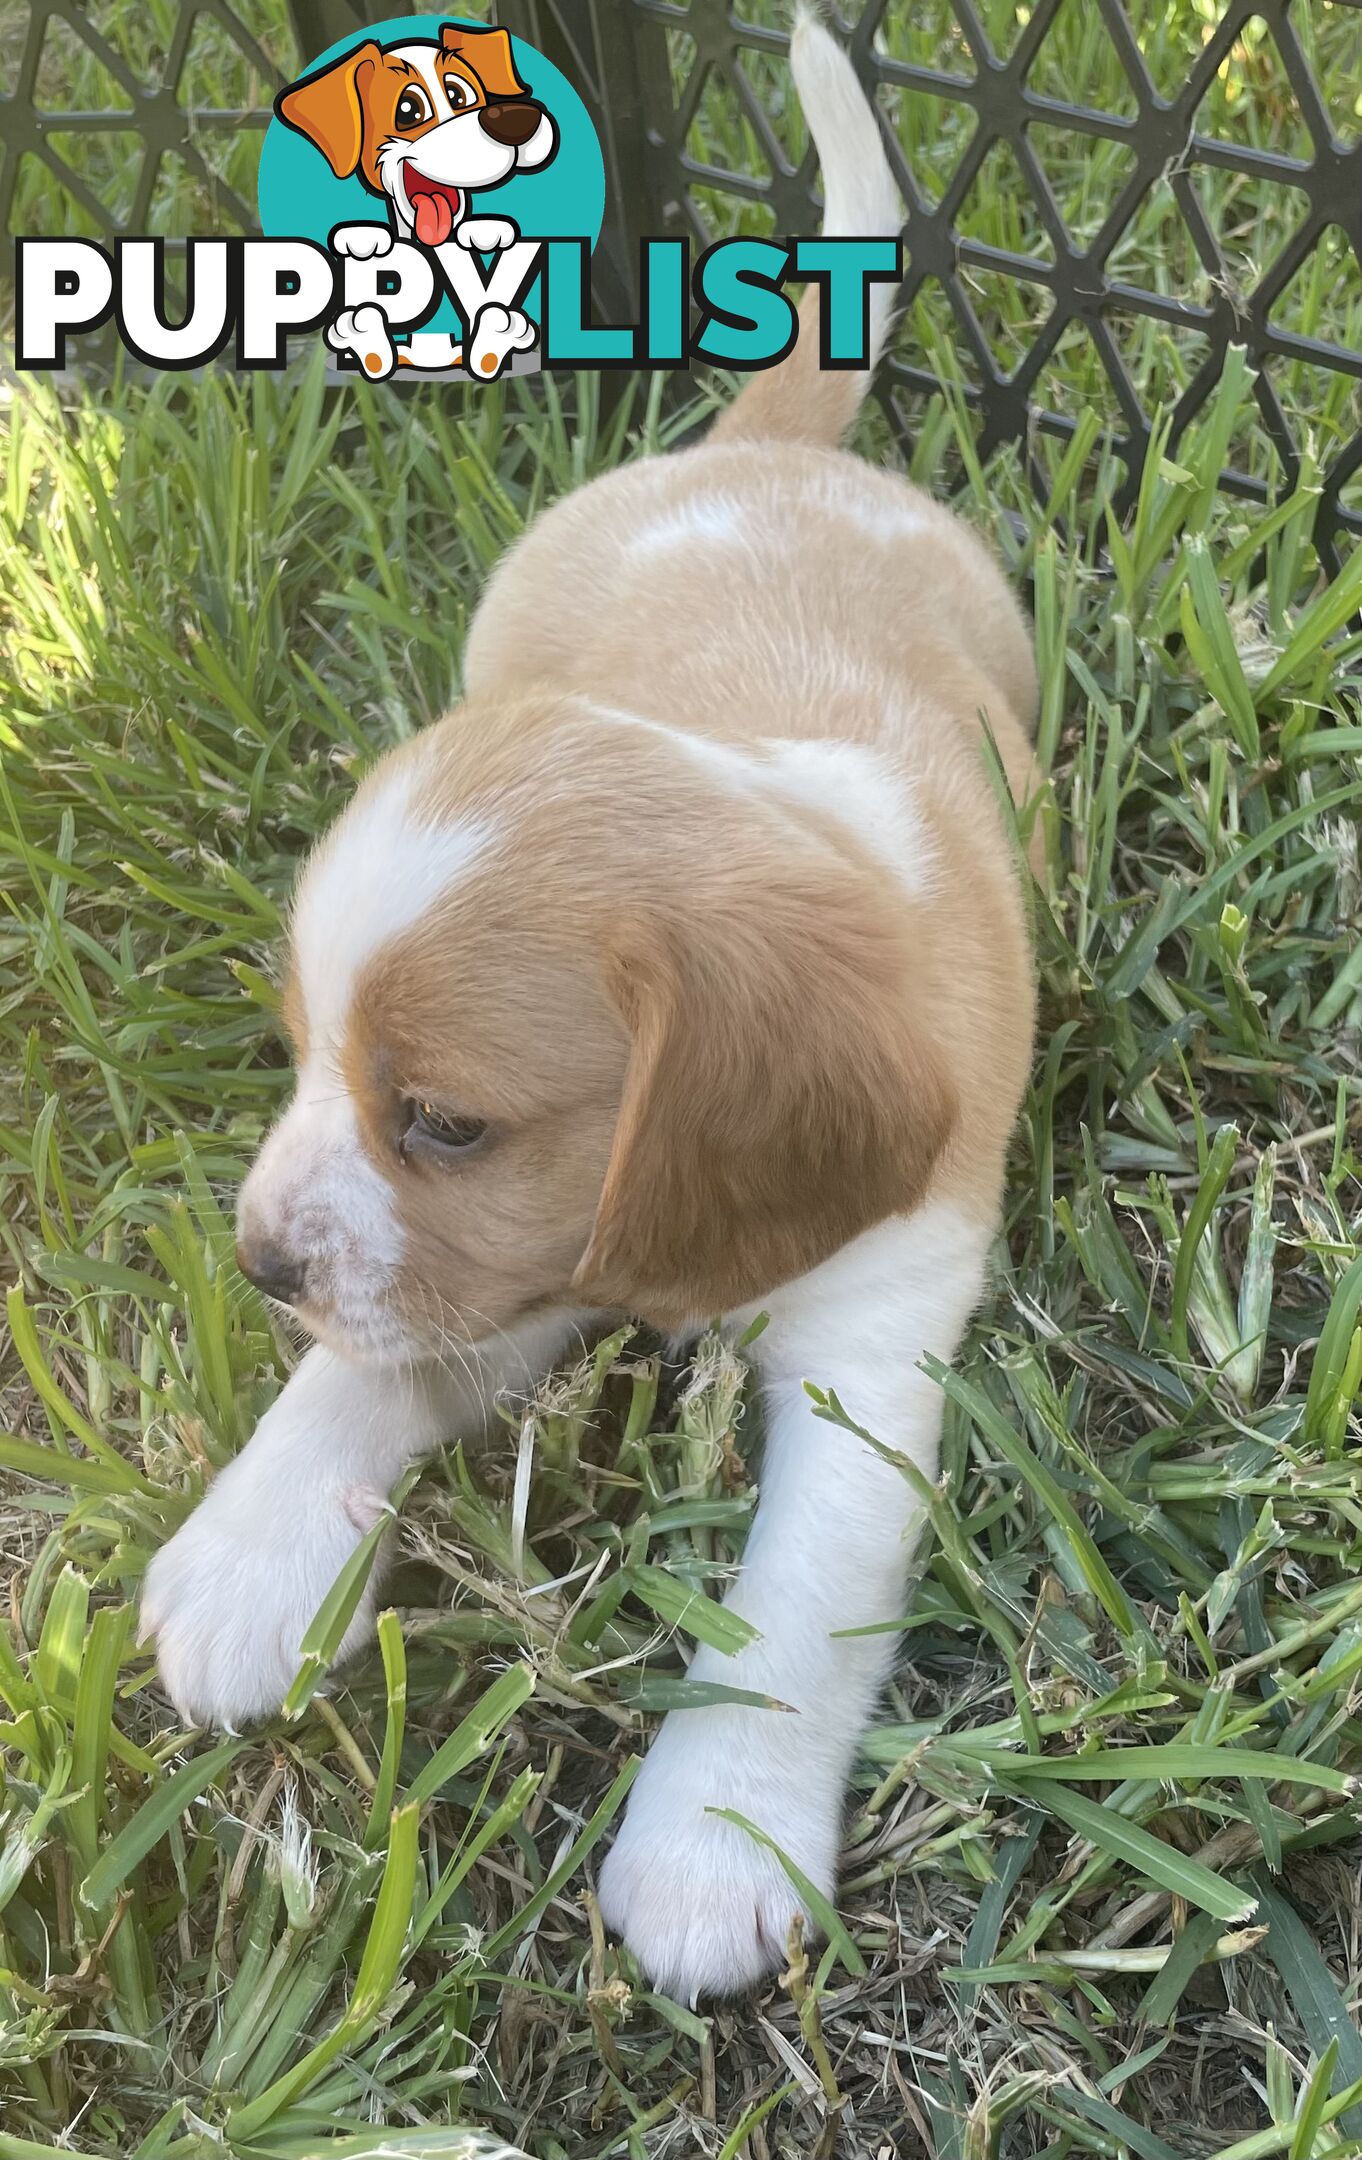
pixel 453 136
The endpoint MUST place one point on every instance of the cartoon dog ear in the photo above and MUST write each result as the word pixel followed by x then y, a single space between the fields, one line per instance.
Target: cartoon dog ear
pixel 784 1091
pixel 329 108
pixel 488 53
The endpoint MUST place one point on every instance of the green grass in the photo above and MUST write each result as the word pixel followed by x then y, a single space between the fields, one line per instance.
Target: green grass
pixel 1100 1890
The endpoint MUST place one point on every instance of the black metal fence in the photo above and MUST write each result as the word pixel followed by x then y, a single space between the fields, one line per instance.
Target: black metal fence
pixel 1121 277
pixel 136 115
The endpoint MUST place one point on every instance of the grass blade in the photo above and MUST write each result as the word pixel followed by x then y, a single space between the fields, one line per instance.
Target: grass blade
pixel 1112 1834
pixel 153 1821
pixel 1308 1981
pixel 691 1611
pixel 820 1910
pixel 475 1734
pixel 1183 1765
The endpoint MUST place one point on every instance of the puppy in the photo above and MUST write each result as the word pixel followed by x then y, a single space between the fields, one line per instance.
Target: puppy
pixel 682 970
pixel 423 124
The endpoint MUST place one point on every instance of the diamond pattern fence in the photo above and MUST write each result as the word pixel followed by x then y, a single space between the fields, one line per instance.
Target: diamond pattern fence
pixel 118 117
pixel 1103 195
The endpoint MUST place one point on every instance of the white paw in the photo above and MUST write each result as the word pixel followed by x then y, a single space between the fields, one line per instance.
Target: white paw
pixel 487 234
pixel 705 1909
pixel 364 332
pixel 434 349
pixel 229 1599
pixel 362 242
pixel 497 333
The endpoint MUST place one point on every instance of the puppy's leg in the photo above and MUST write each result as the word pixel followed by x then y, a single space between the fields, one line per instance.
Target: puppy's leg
pixel 704 1907
pixel 228 1599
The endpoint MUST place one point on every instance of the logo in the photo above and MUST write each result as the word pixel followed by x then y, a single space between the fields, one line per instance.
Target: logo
pixel 434 158
pixel 430 194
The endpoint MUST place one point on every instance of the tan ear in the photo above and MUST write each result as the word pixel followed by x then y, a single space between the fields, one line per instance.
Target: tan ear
pixel 329 108
pixel 783 1095
pixel 488 53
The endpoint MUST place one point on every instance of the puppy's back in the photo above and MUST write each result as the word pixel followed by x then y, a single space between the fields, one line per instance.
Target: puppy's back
pixel 685 571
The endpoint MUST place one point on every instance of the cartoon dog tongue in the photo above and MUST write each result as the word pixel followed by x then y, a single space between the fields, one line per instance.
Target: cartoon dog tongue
pixel 433 209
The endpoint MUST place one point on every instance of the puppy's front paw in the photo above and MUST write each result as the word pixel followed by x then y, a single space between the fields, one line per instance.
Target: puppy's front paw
pixel 497 334
pixel 362 242
pixel 488 235
pixel 229 1599
pixel 364 332
pixel 705 1909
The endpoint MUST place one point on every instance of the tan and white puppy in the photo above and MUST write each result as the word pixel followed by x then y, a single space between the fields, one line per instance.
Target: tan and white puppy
pixel 424 124
pixel 682 970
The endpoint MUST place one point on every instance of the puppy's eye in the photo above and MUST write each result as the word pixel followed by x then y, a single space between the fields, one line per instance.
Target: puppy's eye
pixel 459 92
pixel 412 108
pixel 443 1129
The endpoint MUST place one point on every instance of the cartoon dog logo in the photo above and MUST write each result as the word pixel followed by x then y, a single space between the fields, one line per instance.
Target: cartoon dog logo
pixel 424 124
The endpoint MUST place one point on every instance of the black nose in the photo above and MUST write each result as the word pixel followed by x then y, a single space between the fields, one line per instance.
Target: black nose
pixel 510 124
pixel 275 1272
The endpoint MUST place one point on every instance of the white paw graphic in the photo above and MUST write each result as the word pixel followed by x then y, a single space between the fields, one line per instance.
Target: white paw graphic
pixel 705 1909
pixel 487 234
pixel 229 1599
pixel 433 349
pixel 362 242
pixel 497 333
pixel 364 332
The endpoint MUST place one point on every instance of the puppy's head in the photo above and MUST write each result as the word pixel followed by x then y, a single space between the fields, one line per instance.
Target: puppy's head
pixel 584 1018
pixel 423 123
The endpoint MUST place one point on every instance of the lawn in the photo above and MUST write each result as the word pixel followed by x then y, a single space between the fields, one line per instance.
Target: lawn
pixel 1100 1888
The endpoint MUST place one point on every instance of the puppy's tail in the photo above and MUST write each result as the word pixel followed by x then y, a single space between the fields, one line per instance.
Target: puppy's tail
pixel 796 400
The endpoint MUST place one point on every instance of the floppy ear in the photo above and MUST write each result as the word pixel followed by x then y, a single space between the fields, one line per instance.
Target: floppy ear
pixel 488 53
pixel 783 1094
pixel 329 108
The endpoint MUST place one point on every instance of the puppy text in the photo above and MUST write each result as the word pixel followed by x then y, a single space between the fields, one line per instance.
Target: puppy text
pixel 729 307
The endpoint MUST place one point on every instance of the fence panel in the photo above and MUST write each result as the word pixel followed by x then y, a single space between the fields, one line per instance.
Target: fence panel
pixel 1169 179
pixel 1101 197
